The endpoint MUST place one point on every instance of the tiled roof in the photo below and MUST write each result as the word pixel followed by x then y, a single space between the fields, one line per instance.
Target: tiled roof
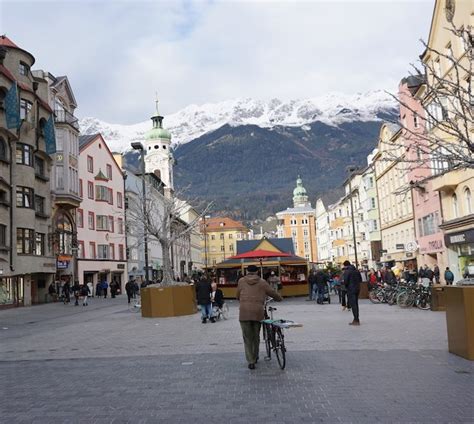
pixel 5 41
pixel 300 209
pixel 282 244
pixel 223 224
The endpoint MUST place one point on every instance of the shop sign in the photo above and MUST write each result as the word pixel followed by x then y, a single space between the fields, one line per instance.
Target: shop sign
pixel 399 246
pixel 459 238
pixel 62 264
pixel 120 266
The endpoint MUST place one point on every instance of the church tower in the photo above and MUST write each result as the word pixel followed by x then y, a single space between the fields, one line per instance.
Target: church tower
pixel 158 151
pixel 300 197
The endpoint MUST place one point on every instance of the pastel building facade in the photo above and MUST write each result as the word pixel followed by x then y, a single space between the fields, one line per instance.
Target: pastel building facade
pixel 101 217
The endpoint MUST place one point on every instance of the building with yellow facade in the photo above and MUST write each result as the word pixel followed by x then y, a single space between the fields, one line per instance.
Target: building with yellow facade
pixel 449 57
pixel 299 224
pixel 219 237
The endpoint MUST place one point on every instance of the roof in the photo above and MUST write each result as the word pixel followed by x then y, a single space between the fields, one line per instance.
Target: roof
pixel 5 41
pixel 299 209
pixel 282 244
pixel 223 223
pixel 84 140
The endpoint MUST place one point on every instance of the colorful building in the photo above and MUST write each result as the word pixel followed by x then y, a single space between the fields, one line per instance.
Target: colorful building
pixel 299 224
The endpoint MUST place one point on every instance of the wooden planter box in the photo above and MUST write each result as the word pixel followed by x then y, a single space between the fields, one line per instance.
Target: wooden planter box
pixel 170 301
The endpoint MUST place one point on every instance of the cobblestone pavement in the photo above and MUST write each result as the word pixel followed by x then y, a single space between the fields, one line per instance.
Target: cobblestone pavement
pixel 103 364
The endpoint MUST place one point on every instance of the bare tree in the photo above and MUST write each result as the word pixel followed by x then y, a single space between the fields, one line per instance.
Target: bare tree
pixel 160 214
pixel 443 140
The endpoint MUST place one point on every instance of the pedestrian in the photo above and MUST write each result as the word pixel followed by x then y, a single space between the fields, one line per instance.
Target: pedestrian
pixel 312 285
pixel 428 275
pixel 76 289
pixel 113 288
pixel 217 298
pixel 104 286
pixel 66 292
pixel 52 292
pixel 321 285
pixel 85 291
pixel 352 280
pixel 203 295
pixel 130 289
pixel 252 292
pixel 343 295
pixel 274 281
pixel 91 288
pixel 98 289
pixel 448 276
pixel 372 279
pixel 436 273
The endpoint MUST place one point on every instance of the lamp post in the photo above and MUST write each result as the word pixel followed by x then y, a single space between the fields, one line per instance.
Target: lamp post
pixel 139 146
pixel 351 173
pixel 205 241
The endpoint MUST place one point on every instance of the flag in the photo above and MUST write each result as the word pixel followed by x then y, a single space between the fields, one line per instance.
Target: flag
pixel 50 136
pixel 12 108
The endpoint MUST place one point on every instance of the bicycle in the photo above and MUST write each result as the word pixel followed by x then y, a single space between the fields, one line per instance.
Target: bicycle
pixel 274 337
pixel 135 304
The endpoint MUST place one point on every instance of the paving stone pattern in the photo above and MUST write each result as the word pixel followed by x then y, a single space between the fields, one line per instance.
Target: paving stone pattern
pixel 103 364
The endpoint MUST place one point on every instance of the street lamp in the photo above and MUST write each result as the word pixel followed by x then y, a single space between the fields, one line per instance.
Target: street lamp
pixel 205 241
pixel 351 170
pixel 139 146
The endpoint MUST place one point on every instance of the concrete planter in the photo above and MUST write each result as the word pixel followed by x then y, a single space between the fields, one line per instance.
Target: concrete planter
pixel 169 301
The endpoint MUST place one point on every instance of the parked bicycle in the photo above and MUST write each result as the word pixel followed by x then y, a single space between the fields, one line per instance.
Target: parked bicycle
pixel 273 335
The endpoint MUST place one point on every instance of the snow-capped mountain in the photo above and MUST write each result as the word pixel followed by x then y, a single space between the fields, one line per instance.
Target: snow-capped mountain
pixel 194 121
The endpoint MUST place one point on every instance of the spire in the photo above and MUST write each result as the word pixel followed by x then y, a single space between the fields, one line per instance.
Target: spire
pixel 157 119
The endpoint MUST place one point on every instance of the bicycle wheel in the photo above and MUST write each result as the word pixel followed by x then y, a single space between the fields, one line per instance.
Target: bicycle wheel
pixel 267 329
pixel 405 300
pixel 280 350
pixel 374 296
pixel 423 302
pixel 134 305
pixel 225 311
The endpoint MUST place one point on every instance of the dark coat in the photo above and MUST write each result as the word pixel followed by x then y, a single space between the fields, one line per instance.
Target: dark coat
pixel 352 279
pixel 312 278
pixel 203 292
pixel 252 291
pixel 321 278
pixel 219 298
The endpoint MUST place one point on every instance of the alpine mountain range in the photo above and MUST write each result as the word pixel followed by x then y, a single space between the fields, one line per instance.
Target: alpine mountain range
pixel 245 154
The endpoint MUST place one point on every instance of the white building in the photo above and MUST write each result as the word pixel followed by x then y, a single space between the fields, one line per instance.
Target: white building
pixel 323 241
pixel 101 217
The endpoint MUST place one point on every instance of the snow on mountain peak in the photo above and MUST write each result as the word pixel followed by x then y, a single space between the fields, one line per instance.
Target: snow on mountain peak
pixel 193 121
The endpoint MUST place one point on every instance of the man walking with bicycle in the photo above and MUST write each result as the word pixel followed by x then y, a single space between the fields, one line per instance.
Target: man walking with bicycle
pixel 252 292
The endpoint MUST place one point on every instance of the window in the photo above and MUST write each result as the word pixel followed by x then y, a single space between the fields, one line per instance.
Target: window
pixel 109 171
pixel 64 227
pixel 468 200
pixel 80 218
pixel 91 221
pixel 103 193
pixel 39 205
pixel 120 225
pixel 231 247
pixel 3 149
pixel 231 236
pixel 222 248
pixel 39 244
pixel 90 189
pixel 455 205
pixel 111 224
pixel 80 249
pixel 305 232
pixel 213 237
pixel 80 188
pixel 24 241
pixel 24 197
pixel 112 251
pixel 111 196
pixel 92 250
pixel 416 121
pixel 23 69
pixel 120 252
pixel 90 164
pixel 119 200
pixel 59 177
pixel 102 223
pixel 3 235
pixel 372 202
pixel 102 251
pixel 39 167
pixel 222 236
pixel 26 110
pixel 24 154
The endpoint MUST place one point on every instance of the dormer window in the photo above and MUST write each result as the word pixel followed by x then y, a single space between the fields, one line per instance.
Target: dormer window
pixel 23 69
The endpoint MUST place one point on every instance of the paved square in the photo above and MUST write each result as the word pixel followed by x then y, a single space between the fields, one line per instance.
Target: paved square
pixel 103 364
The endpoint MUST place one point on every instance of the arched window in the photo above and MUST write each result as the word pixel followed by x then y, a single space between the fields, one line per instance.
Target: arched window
pixel 468 200
pixel 3 149
pixel 64 228
pixel 455 206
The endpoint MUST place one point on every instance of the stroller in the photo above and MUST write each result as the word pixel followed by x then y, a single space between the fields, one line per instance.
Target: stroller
pixel 326 293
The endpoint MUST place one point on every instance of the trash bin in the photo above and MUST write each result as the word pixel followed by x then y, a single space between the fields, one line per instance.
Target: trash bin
pixel 364 290
pixel 438 298
pixel 460 320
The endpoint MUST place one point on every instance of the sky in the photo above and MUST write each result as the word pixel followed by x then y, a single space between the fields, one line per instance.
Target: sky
pixel 119 54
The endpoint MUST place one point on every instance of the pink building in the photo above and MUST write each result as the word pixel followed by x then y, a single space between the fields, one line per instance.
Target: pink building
pixel 101 216
pixel 426 201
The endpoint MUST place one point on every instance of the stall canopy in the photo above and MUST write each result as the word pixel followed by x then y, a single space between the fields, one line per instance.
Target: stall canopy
pixel 260 253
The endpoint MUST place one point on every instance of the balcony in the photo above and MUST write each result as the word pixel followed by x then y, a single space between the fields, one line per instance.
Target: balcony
pixel 65 117
pixel 450 180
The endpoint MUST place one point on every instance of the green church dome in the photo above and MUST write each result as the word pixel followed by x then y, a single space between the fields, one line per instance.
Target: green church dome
pixel 156 133
pixel 299 190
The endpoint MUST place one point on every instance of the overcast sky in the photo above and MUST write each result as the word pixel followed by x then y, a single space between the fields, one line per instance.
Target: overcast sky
pixel 117 54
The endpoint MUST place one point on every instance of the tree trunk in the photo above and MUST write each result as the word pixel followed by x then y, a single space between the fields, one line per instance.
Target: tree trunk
pixel 168 277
